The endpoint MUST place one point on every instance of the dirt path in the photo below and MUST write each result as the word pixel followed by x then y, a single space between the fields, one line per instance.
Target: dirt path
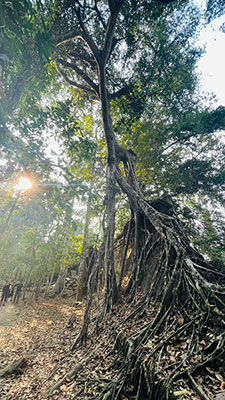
pixel 9 316
pixel 37 332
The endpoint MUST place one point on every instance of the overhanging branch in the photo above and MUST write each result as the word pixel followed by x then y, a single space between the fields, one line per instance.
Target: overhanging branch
pixel 72 35
pixel 87 37
pixel 77 85
pixel 82 75
pixel 115 7
pixel 85 58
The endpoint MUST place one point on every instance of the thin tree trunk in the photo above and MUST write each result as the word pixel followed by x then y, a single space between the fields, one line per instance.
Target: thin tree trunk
pixel 110 278
pixel 82 274
pixel 37 289
pixel 8 219
pixel 133 283
pixel 125 253
pixel 47 290
pixel 82 335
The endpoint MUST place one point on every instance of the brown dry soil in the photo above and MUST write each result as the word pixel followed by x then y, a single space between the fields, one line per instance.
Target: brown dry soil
pixel 36 331
pixel 39 332
pixel 9 316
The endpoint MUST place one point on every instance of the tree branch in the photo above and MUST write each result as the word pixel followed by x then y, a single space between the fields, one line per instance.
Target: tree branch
pixel 115 5
pixel 76 34
pixel 87 37
pixel 75 55
pixel 79 34
pixel 99 15
pixel 83 75
pixel 107 47
pixel 74 83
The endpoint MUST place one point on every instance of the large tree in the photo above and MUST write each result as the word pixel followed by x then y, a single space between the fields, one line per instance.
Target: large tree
pixel 130 57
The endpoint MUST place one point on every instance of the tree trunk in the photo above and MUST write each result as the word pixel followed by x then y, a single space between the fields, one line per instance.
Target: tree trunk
pixel 60 283
pixel 178 278
pixel 110 278
pixel 15 367
pixel 93 275
pixel 175 275
pixel 37 289
pixel 128 236
pixel 82 274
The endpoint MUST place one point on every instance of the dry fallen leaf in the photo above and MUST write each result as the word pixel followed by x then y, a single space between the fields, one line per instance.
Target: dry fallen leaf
pixel 181 321
pixel 220 396
pixel 180 392
pixel 63 388
pixel 171 360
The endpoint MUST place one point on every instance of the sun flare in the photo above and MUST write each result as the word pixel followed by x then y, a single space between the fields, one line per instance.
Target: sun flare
pixel 23 184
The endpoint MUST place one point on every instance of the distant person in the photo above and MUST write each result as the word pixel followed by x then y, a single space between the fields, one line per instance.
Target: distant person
pixel 12 289
pixel 18 289
pixel 5 293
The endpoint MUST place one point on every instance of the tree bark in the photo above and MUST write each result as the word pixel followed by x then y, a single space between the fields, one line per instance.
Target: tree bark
pixel 125 252
pixel 110 279
pixel 82 275
pixel 14 368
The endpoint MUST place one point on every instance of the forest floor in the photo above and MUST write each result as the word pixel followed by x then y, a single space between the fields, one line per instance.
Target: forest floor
pixel 40 332
pixel 8 317
pixel 36 331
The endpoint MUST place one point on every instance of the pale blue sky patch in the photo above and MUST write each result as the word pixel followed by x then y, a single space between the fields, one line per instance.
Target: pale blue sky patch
pixel 212 65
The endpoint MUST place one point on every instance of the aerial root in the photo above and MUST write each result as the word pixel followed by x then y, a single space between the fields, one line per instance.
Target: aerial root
pixel 16 367
pixel 73 373
pixel 142 377
pixel 197 388
pixel 143 358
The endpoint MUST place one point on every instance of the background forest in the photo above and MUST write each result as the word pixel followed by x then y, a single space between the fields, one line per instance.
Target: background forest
pixel 132 195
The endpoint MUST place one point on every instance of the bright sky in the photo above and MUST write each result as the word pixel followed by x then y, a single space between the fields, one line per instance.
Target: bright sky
pixel 23 184
pixel 212 64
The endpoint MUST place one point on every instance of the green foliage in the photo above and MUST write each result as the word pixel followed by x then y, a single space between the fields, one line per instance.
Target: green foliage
pixel 204 220
pixel 26 42
pixel 156 112
pixel 37 237
pixel 215 8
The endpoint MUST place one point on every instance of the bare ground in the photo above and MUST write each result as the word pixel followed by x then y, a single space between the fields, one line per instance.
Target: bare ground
pixel 9 316
pixel 38 332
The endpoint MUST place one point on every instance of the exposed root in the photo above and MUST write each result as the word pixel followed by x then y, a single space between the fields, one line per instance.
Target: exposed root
pixel 197 388
pixel 190 318
pixel 16 367
pixel 81 338
pixel 73 373
pixel 191 310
